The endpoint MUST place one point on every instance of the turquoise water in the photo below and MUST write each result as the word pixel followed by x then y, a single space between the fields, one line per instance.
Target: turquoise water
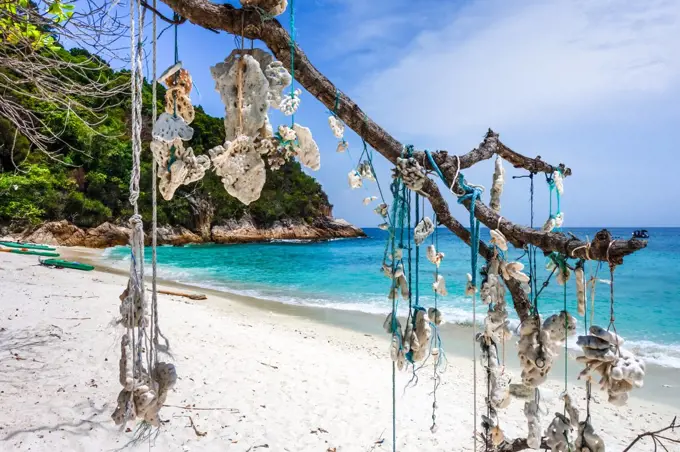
pixel 345 274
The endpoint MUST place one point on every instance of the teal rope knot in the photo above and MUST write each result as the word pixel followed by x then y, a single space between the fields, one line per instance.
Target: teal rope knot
pixel 409 150
pixel 471 194
pixel 435 166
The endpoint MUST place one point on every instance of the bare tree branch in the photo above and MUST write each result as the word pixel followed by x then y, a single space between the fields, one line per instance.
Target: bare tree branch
pixel 255 26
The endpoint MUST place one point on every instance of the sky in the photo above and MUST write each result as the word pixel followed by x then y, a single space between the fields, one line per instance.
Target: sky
pixel 591 84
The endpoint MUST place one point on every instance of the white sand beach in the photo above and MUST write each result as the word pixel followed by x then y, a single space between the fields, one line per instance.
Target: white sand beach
pixel 259 378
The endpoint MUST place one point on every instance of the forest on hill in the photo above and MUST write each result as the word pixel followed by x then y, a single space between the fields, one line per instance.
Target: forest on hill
pixel 83 176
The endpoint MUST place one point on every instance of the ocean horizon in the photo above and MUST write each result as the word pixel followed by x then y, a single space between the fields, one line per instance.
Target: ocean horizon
pixel 345 274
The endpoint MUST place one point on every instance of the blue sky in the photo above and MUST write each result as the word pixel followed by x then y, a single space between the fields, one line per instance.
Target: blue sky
pixel 593 84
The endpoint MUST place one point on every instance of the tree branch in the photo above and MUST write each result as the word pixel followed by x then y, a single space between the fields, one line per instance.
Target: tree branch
pixel 253 25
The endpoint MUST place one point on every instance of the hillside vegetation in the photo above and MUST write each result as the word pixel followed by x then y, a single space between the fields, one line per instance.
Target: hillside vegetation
pixel 84 178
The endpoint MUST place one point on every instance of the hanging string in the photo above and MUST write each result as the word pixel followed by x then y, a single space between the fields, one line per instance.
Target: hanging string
pixel 472 194
pixel 292 56
pixel 154 202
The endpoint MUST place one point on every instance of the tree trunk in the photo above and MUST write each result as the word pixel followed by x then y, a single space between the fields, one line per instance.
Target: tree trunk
pixel 204 211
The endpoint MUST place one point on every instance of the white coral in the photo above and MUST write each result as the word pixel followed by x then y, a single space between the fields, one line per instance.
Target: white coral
pixel 241 168
pixel 290 103
pixel 337 126
pixel 307 149
pixel 279 78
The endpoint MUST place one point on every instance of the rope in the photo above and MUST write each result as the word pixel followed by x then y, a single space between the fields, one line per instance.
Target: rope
pixel 292 56
pixel 471 194
pixel 154 204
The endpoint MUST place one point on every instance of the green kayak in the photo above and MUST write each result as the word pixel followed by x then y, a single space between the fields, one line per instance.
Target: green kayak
pixel 60 263
pixel 28 246
pixel 31 252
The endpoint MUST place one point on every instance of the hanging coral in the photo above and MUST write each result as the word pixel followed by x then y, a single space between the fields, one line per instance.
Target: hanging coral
pixel 620 369
pixel 558 434
pixel 559 327
pixel 241 168
pixel 498 239
pixel 244 90
pixel 337 126
pixel 177 166
pixel 177 95
pixel 307 150
pixel 381 210
pixel 342 146
pixel 270 7
pixel 439 285
pixel 514 270
pixel 533 414
pixel 423 230
pixel 366 171
pixel 410 172
pixel 279 79
pixel 534 351
pixel 580 289
pixel 497 187
pixel 434 256
pixel 558 180
pixel 290 103
pixel 354 179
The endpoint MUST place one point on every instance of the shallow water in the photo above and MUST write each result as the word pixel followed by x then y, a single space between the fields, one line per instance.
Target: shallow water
pixel 345 274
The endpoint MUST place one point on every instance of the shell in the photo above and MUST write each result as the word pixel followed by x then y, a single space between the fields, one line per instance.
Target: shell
pixel 354 179
pixel 433 256
pixel 366 171
pixel 533 415
pixel 439 285
pixel 470 290
pixel 369 200
pixel 498 239
pixel 381 210
pixel 342 146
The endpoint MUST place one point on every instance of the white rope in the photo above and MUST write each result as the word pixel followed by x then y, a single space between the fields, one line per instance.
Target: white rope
pixel 137 235
pixel 154 207
pixel 474 365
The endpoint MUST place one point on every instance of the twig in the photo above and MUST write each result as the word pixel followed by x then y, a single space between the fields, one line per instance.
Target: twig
pixel 233 410
pixel 268 365
pixel 656 437
pixel 198 433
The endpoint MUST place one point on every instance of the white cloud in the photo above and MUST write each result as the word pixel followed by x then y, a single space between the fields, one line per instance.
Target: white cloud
pixel 504 63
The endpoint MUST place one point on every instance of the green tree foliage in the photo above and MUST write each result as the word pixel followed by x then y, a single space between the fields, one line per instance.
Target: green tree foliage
pixel 84 177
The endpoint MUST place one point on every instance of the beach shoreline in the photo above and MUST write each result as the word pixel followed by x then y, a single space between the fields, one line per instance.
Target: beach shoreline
pixel 659 380
pixel 331 370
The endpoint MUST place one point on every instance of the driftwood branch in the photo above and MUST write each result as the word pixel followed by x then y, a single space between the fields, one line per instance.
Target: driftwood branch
pixel 657 437
pixel 253 25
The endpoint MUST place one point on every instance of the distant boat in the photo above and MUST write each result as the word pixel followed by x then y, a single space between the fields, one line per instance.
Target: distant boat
pixel 641 234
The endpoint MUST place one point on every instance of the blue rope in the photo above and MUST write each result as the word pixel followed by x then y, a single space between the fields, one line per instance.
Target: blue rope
pixel 292 55
pixel 471 194
pixel 435 166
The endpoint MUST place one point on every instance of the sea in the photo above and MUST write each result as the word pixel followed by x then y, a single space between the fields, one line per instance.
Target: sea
pixel 345 274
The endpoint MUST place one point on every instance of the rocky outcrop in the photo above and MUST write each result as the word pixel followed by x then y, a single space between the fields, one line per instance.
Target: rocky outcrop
pixel 56 233
pixel 244 231
pixel 63 233
pixel 175 235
